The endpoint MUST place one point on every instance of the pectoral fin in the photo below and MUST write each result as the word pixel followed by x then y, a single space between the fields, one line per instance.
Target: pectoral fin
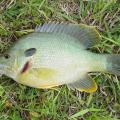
pixel 84 84
pixel 44 73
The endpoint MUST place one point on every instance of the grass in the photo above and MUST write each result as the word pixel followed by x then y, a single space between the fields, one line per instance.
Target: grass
pixel 18 102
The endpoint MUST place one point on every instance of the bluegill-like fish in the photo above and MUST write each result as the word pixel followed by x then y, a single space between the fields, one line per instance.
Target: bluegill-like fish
pixel 56 54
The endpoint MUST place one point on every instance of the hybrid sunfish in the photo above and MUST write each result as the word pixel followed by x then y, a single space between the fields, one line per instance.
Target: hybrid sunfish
pixel 57 54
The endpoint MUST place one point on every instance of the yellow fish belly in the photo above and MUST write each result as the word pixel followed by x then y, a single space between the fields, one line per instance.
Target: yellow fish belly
pixel 38 78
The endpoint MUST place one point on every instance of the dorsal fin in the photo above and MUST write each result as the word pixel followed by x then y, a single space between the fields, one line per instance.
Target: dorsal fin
pixel 87 35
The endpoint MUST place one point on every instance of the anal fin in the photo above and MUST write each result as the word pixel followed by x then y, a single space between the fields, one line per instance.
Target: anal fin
pixel 84 84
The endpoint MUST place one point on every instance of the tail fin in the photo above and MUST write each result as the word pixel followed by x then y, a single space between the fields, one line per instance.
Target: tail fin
pixel 113 64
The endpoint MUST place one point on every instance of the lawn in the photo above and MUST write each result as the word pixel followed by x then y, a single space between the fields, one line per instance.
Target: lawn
pixel 18 102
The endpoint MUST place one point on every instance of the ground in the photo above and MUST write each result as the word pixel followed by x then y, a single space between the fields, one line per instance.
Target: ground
pixel 18 102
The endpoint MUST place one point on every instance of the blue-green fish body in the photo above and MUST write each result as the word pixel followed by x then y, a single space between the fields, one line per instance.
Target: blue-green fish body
pixel 56 54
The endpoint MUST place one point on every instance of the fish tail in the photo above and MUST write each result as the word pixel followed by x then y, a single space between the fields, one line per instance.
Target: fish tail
pixel 113 64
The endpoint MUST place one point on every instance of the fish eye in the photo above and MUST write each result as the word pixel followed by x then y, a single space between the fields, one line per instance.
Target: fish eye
pixel 6 56
pixel 30 52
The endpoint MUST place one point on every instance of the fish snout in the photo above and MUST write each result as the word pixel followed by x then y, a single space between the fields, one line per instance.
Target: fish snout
pixel 2 69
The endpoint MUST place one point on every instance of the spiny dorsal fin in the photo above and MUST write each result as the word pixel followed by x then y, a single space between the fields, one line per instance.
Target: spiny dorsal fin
pixel 87 35
pixel 84 84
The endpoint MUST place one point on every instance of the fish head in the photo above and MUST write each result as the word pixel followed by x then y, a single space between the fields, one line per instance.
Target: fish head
pixel 16 61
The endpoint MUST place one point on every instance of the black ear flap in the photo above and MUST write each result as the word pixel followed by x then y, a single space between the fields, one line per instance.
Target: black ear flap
pixel 30 52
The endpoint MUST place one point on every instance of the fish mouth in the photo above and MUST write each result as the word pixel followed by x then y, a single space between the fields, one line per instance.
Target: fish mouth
pixel 2 66
pixel 2 69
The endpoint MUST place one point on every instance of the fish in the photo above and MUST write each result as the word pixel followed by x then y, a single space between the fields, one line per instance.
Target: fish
pixel 58 54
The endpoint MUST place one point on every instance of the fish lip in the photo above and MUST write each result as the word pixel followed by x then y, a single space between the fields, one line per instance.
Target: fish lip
pixel 2 69
pixel 2 66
